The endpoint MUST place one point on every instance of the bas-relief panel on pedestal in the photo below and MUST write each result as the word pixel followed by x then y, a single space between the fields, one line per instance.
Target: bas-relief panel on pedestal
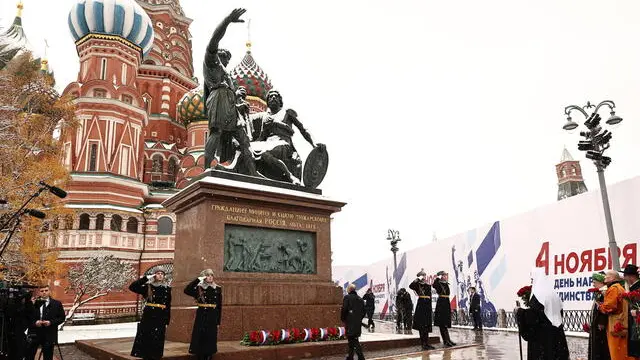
pixel 255 249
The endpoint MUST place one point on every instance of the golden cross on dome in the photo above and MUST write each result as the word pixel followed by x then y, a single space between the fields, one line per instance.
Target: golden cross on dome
pixel 20 6
pixel 248 35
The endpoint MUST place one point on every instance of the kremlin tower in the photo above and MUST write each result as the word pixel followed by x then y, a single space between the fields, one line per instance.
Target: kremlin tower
pixel 569 172
pixel 140 136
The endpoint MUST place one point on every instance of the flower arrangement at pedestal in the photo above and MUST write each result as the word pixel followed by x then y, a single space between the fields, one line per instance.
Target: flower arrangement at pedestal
pixel 291 336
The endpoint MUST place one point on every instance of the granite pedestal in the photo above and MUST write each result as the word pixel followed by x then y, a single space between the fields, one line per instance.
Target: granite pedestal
pixel 217 205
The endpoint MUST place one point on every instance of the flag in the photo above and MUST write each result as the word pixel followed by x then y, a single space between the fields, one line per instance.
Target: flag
pixel 488 248
pixel 402 267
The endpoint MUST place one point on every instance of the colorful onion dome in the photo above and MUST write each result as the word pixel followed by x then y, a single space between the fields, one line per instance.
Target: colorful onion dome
pixel 13 40
pixel 121 18
pixel 191 106
pixel 251 76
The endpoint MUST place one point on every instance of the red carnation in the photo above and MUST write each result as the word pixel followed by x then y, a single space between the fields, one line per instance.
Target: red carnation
pixel 276 336
pixel 618 327
pixel 332 331
pixel 586 327
pixel 254 337
pixel 315 333
pixel 593 290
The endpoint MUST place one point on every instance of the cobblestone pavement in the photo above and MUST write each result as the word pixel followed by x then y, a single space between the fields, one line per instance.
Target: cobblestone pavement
pixel 488 345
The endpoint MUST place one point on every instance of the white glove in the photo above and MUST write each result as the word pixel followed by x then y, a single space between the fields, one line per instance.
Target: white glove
pixel 150 277
pixel 201 278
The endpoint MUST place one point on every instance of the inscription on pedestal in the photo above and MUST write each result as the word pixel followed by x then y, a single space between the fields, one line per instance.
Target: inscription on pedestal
pixel 256 249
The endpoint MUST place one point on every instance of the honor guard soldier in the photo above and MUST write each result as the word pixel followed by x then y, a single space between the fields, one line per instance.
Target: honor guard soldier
pixel 208 296
pixel 423 314
pixel 149 342
pixel 442 318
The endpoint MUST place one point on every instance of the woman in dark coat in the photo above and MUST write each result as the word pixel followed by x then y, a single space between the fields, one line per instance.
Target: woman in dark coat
pixel 423 314
pixel 149 342
pixel 208 296
pixel 442 318
pixel 541 324
pixel 598 346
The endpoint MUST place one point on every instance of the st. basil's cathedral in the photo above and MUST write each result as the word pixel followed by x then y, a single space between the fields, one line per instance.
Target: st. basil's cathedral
pixel 140 136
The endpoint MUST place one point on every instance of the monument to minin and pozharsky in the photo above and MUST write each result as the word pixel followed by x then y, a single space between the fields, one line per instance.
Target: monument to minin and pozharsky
pixel 256 217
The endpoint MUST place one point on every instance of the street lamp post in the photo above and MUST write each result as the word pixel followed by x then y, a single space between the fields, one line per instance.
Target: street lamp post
pixel 595 144
pixel 394 237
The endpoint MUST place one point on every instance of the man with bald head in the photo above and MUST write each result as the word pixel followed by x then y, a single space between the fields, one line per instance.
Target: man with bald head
pixel 351 315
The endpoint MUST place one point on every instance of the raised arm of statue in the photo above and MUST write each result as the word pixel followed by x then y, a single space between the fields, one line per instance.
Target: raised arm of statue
pixel 293 116
pixel 211 56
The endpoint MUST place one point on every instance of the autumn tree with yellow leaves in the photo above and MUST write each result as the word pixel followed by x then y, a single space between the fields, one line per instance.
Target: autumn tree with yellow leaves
pixel 32 119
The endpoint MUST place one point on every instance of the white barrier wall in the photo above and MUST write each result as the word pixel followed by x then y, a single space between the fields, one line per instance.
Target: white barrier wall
pixel 567 238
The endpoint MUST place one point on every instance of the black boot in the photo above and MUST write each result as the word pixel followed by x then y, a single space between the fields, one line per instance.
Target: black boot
pixel 424 339
pixel 446 337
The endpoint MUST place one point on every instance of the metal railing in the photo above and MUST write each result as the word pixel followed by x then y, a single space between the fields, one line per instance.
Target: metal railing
pixel 573 320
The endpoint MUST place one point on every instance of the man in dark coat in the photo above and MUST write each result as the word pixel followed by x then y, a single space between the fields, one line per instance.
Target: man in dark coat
pixel 208 296
pixel 43 331
pixel 423 314
pixel 149 341
pixel 631 277
pixel 18 317
pixel 404 306
pixel 369 307
pixel 474 308
pixel 442 318
pixel 351 315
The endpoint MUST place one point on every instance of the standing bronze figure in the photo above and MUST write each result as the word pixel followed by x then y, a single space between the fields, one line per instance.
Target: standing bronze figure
pixel 225 122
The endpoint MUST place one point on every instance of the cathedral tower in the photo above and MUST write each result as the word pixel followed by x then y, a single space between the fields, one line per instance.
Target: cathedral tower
pixel 569 172
pixel 165 76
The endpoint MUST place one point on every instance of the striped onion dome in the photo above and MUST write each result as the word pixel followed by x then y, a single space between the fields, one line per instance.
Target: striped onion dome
pixel 251 76
pixel 191 107
pixel 13 40
pixel 122 18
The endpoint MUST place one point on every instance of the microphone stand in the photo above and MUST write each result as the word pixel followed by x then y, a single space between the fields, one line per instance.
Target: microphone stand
pixel 19 211
pixel 5 243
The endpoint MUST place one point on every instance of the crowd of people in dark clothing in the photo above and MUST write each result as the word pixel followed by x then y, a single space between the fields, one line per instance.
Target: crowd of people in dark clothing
pixel 354 310
pixel 34 325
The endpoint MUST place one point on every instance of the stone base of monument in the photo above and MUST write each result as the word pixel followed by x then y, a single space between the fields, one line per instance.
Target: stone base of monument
pixel 269 245
pixel 119 349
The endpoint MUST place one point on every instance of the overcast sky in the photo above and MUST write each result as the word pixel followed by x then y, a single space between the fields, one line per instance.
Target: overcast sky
pixel 438 116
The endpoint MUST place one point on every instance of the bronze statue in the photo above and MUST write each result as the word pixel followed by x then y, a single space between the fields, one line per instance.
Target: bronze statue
pixel 225 122
pixel 259 144
pixel 275 154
